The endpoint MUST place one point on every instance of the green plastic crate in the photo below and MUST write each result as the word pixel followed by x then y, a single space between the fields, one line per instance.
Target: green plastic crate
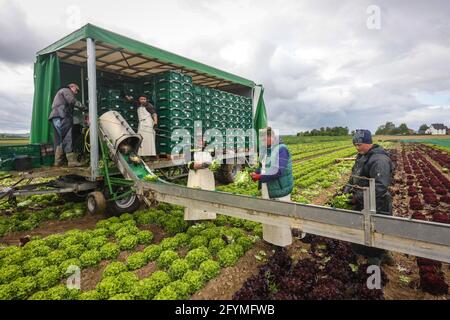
pixel 207 100
pixel 168 95
pixel 187 96
pixel 188 114
pixel 48 161
pixel 197 90
pixel 169 104
pixel 169 85
pixel 188 105
pixel 186 79
pixel 168 76
pixel 198 107
pixel 168 124
pixel 167 114
pixel 187 87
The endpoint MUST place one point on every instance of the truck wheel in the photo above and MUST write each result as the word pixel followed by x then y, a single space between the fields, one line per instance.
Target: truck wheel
pixel 96 203
pixel 228 172
pixel 125 205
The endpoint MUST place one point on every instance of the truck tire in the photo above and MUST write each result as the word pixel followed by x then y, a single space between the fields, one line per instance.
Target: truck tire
pixel 126 205
pixel 228 172
pixel 96 203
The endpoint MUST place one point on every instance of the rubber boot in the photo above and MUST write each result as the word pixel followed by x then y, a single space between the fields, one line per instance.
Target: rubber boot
pixel 59 157
pixel 72 159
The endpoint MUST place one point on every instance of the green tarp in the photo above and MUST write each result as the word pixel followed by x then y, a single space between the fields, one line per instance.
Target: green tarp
pixel 260 120
pixel 111 38
pixel 47 81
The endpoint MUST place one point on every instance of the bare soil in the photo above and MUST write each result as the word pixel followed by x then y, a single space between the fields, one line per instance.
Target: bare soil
pixel 51 227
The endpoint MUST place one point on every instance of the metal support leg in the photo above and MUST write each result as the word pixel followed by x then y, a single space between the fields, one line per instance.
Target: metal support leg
pixel 93 118
pixel 369 210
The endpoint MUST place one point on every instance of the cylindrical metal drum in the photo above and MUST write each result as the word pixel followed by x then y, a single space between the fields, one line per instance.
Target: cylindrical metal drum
pixel 119 132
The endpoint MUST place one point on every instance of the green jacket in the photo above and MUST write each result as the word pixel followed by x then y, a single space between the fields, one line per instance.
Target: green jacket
pixel 282 182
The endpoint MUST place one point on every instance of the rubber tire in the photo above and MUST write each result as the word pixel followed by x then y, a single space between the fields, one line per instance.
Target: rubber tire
pixel 96 203
pixel 227 172
pixel 114 208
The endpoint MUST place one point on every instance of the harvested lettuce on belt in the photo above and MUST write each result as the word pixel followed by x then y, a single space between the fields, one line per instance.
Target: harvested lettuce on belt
pixel 242 178
pixel 151 178
pixel 215 165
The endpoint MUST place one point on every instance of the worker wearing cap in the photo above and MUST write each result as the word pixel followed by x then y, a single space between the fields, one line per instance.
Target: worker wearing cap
pixel 200 177
pixel 374 162
pixel 148 119
pixel 276 182
pixel 61 117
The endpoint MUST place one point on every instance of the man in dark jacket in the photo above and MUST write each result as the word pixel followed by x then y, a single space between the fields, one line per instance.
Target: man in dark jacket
pixel 372 161
pixel 61 117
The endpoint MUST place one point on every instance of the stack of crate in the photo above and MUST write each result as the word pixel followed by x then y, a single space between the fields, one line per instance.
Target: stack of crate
pixel 114 99
pixel 174 102
pixel 223 110
pixel 180 106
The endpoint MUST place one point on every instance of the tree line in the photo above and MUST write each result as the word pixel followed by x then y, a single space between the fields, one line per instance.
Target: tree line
pixel 334 131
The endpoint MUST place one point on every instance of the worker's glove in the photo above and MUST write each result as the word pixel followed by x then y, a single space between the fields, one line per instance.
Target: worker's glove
pixel 255 176
pixel 80 106
pixel 205 165
pixel 352 200
pixel 347 189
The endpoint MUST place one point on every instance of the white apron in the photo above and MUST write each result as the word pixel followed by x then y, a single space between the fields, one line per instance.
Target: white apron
pixel 145 129
pixel 200 179
pixel 280 235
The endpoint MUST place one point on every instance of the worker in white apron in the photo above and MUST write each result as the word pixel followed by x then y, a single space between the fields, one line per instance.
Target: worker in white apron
pixel 147 120
pixel 200 177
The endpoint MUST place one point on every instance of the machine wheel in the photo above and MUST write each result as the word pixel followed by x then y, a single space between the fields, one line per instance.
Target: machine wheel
pixel 96 203
pixel 126 205
pixel 228 172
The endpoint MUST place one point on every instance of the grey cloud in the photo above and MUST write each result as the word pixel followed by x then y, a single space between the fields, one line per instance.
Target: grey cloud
pixel 18 41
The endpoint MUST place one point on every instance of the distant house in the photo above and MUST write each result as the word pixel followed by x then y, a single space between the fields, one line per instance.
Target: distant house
pixel 411 131
pixel 436 129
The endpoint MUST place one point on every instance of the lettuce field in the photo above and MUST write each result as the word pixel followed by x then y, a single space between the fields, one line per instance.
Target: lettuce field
pixel 47 242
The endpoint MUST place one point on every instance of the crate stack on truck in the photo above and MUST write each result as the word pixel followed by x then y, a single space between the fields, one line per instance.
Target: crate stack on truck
pixel 180 107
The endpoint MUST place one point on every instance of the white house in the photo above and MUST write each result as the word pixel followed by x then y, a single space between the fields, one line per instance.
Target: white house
pixel 437 128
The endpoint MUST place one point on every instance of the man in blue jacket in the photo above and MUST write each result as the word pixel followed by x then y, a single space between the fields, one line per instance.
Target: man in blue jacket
pixel 275 178
pixel 276 183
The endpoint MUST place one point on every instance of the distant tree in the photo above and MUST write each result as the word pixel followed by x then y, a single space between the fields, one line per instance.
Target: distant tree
pixel 403 129
pixel 389 128
pixel 328 131
pixel 424 128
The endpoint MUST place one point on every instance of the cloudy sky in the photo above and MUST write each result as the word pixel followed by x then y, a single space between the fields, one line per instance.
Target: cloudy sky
pixel 322 63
